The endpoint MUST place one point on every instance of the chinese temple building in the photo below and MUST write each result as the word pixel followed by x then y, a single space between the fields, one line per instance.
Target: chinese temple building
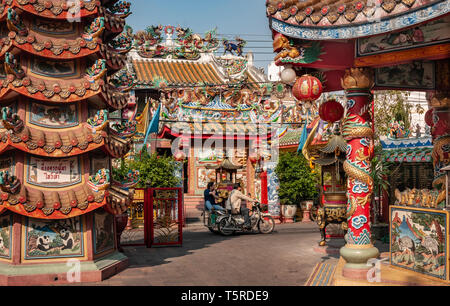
pixel 58 198
pixel 359 47
pixel 410 161
pixel 212 107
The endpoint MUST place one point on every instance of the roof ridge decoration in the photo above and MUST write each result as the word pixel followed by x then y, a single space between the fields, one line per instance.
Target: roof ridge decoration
pixel 124 42
pixel 301 52
pixel 62 9
pixel 350 18
pixel 186 45
pixel 227 104
pixel 397 130
pixel 120 8
pixel 234 68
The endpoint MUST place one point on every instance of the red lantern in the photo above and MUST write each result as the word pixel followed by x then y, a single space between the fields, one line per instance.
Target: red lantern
pixel 307 88
pixel 429 117
pixel 331 111
pixel 179 156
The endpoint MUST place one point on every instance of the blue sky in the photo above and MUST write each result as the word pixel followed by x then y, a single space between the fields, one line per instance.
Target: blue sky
pixel 247 18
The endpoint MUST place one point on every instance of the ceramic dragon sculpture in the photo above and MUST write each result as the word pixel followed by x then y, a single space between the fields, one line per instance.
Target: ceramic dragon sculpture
pixel 358 134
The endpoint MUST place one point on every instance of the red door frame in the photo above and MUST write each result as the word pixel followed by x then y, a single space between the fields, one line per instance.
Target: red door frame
pixel 145 225
pixel 148 211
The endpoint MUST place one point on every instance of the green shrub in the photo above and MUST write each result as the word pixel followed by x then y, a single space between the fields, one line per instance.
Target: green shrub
pixel 154 171
pixel 297 181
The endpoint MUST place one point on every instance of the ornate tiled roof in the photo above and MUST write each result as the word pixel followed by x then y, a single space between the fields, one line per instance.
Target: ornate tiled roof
pixel 290 138
pixel 408 155
pixel 407 149
pixel 37 203
pixel 175 72
pixel 334 19
pixel 48 143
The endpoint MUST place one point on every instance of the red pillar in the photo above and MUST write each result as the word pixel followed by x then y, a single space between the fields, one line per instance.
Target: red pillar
pixel 358 133
pixel 264 189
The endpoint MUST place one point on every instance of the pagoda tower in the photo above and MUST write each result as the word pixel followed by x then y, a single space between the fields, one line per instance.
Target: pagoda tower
pixel 57 90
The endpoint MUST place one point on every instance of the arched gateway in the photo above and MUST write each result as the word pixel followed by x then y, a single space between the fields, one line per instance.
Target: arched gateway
pixel 361 46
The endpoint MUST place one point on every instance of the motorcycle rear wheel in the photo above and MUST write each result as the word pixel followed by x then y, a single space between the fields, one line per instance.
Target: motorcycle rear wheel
pixel 222 227
pixel 266 225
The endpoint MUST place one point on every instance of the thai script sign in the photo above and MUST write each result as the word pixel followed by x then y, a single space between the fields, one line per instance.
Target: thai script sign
pixel 53 173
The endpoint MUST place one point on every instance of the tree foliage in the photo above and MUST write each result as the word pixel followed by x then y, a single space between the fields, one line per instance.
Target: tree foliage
pixel 154 171
pixel 392 105
pixel 297 181
pixel 380 172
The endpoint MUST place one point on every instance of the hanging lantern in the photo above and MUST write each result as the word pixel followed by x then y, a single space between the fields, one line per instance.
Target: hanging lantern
pixel 331 111
pixel 254 157
pixel 429 117
pixel 307 88
pixel 179 156
pixel 288 75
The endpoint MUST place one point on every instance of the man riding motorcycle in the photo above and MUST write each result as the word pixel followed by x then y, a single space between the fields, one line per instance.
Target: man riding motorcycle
pixel 234 204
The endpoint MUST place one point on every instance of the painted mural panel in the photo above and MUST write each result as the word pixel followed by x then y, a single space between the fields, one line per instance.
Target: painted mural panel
pixel 103 231
pixel 204 176
pixel 434 32
pixel 54 27
pixel 53 238
pixel 418 241
pixel 54 173
pixel 5 236
pixel 418 75
pixel 54 69
pixel 272 190
pixel 63 116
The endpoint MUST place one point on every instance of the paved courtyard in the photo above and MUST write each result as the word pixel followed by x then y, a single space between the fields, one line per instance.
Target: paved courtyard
pixel 285 257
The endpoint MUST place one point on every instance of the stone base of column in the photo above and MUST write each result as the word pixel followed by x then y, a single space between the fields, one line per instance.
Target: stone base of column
pixel 356 258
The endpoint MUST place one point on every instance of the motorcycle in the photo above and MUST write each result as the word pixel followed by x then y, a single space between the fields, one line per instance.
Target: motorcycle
pixel 261 222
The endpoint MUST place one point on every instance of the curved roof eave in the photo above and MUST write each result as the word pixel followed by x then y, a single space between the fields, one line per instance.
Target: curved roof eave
pixel 352 31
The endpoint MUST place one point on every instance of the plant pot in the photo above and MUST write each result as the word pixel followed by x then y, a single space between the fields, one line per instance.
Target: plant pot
pixel 288 212
pixel 306 208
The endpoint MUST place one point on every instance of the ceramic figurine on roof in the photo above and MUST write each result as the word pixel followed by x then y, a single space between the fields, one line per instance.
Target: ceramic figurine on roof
pixel 397 130
pixel 151 44
pixel 231 47
pixel 56 143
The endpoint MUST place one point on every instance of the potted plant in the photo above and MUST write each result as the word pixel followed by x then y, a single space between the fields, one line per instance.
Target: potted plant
pixel 297 183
